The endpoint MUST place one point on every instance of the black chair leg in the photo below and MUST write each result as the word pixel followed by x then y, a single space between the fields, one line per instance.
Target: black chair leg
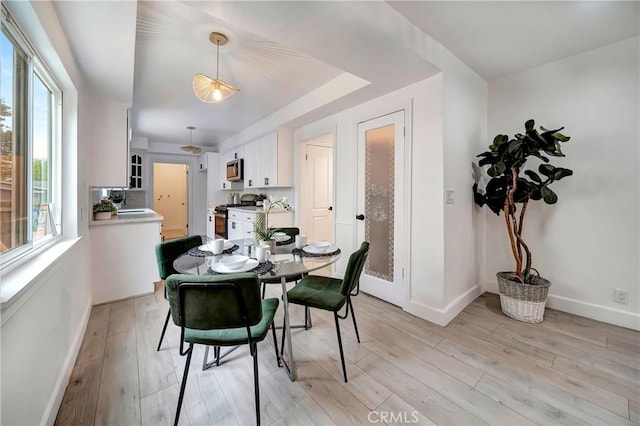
pixel 164 329
pixel 216 353
pixel 353 316
pixel 256 383
pixel 306 317
pixel 184 383
pixel 344 368
pixel 275 343
pixel 264 289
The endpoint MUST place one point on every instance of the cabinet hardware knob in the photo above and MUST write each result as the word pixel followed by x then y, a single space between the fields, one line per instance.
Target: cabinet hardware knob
pixel 360 217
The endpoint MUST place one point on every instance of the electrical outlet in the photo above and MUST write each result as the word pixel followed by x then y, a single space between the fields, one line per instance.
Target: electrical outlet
pixel 448 196
pixel 621 296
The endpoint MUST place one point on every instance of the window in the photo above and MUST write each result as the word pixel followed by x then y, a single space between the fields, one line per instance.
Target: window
pixel 30 111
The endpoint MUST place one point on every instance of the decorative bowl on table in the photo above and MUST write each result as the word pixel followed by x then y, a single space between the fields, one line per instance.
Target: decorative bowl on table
pixel 234 262
pixel 320 245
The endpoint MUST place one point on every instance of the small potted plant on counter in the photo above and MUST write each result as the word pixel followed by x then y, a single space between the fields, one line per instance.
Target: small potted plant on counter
pixel 261 229
pixel 522 294
pixel 103 210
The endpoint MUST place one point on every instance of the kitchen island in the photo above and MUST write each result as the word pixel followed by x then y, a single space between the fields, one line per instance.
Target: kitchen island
pixel 123 261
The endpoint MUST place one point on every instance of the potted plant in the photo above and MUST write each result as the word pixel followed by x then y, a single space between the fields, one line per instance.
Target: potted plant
pixel 103 210
pixel 522 294
pixel 261 229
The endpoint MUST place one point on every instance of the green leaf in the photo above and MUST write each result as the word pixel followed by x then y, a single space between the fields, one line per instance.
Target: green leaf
pixel 529 124
pixel 540 156
pixel 560 173
pixel 548 195
pixel 546 169
pixel 497 169
pixel 561 137
pixel 533 176
pixel 514 146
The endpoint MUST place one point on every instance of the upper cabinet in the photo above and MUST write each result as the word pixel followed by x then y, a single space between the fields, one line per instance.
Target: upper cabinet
pixel 203 161
pixel 224 159
pixel 252 164
pixel 109 143
pixel 268 161
pixel 135 178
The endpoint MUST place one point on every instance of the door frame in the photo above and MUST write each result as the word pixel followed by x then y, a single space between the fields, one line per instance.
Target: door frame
pixel 191 162
pixel 302 160
pixel 407 188
pixel 298 154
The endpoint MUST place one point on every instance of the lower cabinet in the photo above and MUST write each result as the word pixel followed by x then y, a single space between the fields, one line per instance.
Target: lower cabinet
pixel 239 230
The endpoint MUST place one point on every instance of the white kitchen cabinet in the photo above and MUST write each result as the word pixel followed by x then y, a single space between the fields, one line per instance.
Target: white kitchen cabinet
pixel 224 158
pixel 109 144
pixel 252 164
pixel 270 163
pixel 123 261
pixel 239 230
pixel 203 161
pixel 135 178
pixel 241 221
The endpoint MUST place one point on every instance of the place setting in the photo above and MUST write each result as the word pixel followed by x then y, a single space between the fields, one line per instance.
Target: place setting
pixel 314 248
pixel 235 264
pixel 215 247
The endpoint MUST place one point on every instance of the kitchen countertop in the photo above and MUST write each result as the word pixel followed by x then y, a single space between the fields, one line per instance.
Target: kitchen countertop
pixel 257 209
pixel 129 216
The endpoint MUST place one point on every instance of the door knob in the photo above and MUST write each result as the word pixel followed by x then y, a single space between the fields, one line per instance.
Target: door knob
pixel 330 208
pixel 360 217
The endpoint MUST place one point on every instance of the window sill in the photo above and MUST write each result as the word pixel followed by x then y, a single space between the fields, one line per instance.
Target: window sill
pixel 18 282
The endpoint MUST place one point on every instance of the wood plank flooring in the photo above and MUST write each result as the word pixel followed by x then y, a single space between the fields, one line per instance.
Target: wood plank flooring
pixel 483 368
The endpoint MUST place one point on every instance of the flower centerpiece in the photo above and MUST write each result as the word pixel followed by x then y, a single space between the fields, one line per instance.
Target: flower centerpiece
pixel 261 229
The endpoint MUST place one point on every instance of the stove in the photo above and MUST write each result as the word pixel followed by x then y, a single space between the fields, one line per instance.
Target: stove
pixel 221 213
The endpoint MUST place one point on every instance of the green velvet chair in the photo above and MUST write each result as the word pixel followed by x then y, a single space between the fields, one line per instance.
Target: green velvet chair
pixel 331 294
pixel 221 310
pixel 166 253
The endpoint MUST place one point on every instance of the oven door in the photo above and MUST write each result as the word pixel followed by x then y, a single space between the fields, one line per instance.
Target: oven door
pixel 221 224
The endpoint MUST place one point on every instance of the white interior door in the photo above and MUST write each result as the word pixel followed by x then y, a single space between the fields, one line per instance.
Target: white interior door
pixel 381 151
pixel 170 198
pixel 317 194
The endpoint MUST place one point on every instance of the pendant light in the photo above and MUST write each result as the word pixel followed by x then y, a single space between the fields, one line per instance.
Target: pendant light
pixel 211 90
pixel 191 148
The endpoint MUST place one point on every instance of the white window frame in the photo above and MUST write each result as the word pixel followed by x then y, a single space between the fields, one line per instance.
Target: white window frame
pixel 35 66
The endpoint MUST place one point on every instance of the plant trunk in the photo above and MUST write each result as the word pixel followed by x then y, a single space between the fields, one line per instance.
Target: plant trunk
pixel 527 268
pixel 512 225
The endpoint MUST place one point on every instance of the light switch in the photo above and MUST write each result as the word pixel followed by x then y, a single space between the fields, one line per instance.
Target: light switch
pixel 448 196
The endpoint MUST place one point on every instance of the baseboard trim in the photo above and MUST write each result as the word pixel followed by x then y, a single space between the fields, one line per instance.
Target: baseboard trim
pixel 51 412
pixel 443 316
pixel 584 309
pixel 596 312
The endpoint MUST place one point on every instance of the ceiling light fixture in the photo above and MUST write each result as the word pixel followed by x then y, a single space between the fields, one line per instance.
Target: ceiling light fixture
pixel 192 149
pixel 211 90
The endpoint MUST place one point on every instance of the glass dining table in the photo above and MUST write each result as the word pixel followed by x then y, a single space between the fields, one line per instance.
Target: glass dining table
pixel 285 264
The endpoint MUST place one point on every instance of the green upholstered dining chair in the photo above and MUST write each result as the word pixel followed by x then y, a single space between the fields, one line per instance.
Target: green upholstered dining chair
pixel 166 253
pixel 221 310
pixel 331 294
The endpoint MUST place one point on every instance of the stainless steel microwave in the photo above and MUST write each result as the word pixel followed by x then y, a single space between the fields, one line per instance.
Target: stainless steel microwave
pixel 234 170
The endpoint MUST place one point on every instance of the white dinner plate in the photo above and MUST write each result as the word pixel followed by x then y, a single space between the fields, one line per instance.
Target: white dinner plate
pixel 314 250
pixel 209 246
pixel 222 269
pixel 280 238
pixel 280 234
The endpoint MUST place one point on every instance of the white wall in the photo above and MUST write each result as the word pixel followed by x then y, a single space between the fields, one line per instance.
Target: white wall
pixel 43 328
pixel 587 244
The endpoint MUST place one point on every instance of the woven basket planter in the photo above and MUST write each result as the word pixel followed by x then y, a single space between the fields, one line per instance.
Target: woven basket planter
pixel 524 302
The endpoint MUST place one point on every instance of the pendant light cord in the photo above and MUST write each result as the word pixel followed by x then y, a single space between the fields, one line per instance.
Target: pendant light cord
pixel 217 58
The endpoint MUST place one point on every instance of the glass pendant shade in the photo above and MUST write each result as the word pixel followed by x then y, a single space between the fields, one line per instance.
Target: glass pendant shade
pixel 211 90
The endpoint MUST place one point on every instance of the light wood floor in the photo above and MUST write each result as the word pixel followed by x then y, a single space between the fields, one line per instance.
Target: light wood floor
pixel 483 368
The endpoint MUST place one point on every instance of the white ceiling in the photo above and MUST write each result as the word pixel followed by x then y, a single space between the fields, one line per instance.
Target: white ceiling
pixel 280 52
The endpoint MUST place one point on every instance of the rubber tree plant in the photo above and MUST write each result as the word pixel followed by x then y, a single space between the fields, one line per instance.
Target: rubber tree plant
pixel 512 185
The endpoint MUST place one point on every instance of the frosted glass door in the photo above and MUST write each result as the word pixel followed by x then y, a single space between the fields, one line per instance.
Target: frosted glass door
pixel 380 195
